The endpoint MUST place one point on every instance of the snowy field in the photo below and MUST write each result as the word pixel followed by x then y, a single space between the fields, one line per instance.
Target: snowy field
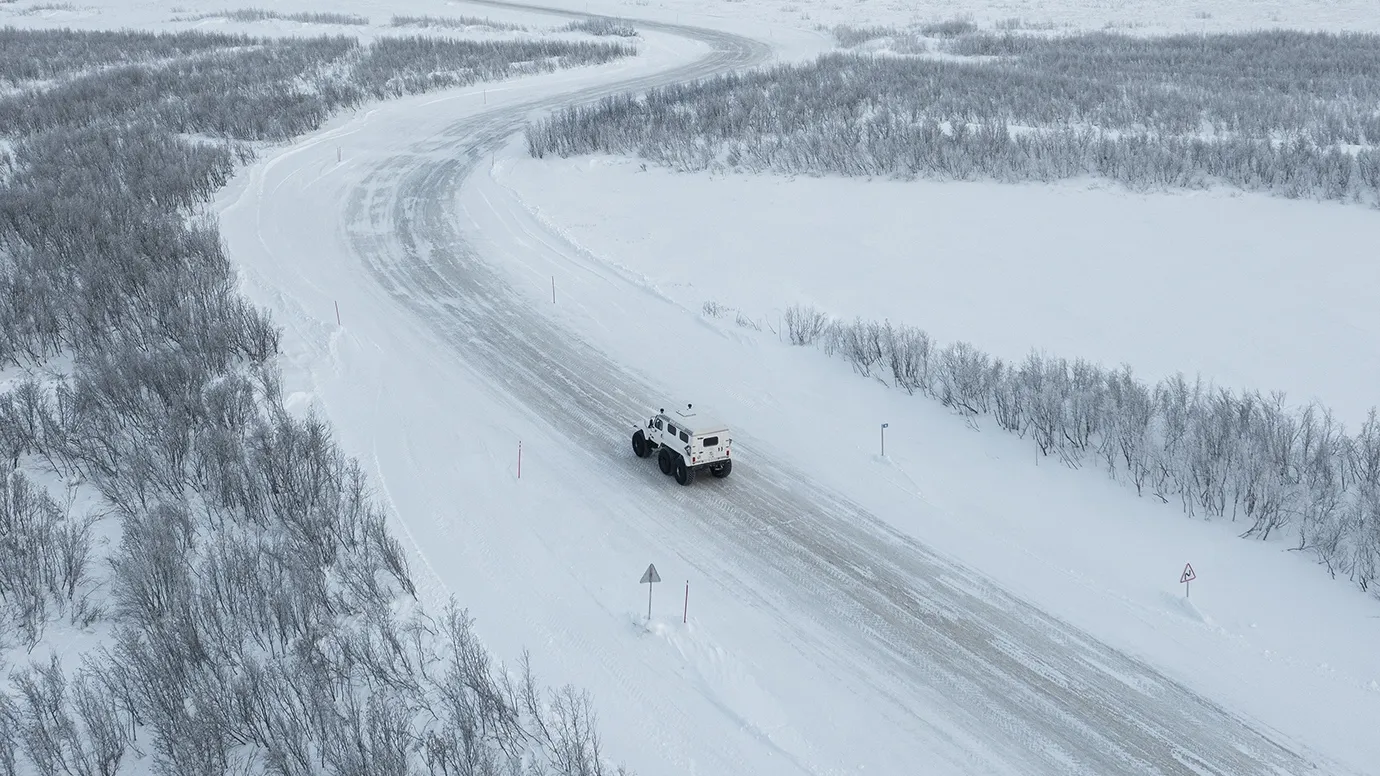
pixel 776 669
pixel 1081 546
pixel 1249 291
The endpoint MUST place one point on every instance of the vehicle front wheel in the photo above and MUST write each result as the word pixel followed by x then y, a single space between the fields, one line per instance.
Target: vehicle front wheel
pixel 684 474
pixel 722 470
pixel 640 444
pixel 664 461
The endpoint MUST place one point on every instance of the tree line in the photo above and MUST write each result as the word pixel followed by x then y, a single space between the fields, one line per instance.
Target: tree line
pixel 278 89
pixel 453 22
pixel 255 614
pixel 261 14
pixel 1276 468
pixel 1287 113
pixel 26 57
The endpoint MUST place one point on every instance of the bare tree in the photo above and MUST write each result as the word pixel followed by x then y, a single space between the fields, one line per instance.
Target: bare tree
pixel 805 325
pixel 9 733
pixel 91 744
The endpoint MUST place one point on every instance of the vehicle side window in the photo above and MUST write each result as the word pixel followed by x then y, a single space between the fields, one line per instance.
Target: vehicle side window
pixel 711 441
pixel 671 429
pixel 684 437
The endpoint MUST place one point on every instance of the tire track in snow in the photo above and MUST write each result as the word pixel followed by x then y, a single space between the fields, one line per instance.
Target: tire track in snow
pixel 995 684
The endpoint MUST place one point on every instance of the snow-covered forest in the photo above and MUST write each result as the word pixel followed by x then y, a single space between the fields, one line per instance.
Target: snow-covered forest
pixel 1285 112
pixel 244 606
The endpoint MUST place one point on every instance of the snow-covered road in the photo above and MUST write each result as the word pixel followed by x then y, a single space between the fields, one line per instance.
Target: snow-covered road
pixel 920 664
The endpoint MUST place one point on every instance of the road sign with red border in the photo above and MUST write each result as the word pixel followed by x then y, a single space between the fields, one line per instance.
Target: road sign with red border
pixel 1188 575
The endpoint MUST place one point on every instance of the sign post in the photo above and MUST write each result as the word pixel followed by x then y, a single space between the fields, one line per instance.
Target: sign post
pixel 1187 577
pixel 685 615
pixel 884 427
pixel 648 577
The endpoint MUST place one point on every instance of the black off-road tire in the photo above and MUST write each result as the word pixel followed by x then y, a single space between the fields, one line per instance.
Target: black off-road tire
pixel 664 461
pixel 684 474
pixel 640 446
pixel 723 470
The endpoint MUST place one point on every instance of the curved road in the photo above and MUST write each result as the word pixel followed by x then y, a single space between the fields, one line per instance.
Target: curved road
pixel 1001 686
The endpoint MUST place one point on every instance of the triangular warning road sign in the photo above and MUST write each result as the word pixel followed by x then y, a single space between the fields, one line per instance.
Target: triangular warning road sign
pixel 1188 575
pixel 650 575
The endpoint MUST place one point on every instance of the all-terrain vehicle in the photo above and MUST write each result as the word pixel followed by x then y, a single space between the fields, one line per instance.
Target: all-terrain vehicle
pixel 685 443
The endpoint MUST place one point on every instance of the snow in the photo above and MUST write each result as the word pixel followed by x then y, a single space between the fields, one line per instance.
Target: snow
pixel 753 681
pixel 1266 630
pixel 1240 288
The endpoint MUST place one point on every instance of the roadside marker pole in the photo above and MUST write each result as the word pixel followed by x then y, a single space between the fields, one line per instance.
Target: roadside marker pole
pixel 519 459
pixel 685 615
pixel 337 313
pixel 553 289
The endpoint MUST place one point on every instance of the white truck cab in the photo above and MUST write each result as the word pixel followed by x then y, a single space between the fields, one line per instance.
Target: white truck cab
pixel 686 442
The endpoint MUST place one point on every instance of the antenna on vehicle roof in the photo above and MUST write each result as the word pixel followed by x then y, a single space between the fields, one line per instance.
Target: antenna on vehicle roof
pixel 688 405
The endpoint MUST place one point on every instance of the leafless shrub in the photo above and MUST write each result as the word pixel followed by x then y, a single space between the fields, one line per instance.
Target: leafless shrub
pixel 9 731
pixel 44 556
pixel 851 37
pixel 950 28
pixel 249 15
pixel 413 65
pixel 603 26
pixel 91 744
pixel 805 325
pixel 453 22
pixel 746 322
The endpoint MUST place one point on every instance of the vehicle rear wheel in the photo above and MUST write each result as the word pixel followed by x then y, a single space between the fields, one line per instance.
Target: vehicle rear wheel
pixel 684 474
pixel 639 442
pixel 722 470
pixel 664 461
